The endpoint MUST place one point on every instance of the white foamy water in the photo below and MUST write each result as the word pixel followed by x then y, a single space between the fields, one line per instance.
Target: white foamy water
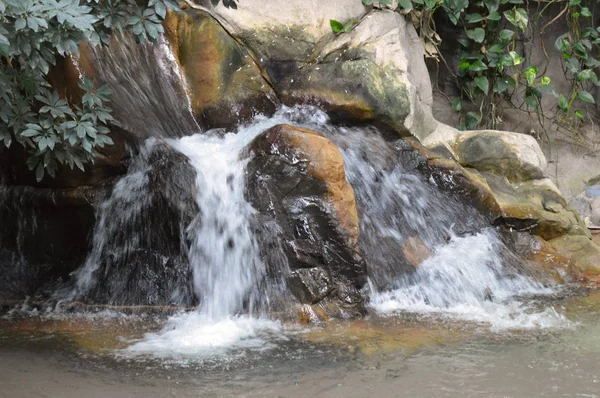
pixel 465 278
pixel 194 335
pixel 229 276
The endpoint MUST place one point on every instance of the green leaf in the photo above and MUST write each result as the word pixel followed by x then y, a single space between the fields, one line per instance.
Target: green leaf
pixel 530 74
pixel 472 119
pixel 518 17
pixel 474 18
pixel 477 66
pixel 477 34
pixel 404 4
pixel 336 26
pixel 367 2
pixel 457 104
pixel 160 9
pixel 586 97
pixel 586 12
pixel 20 24
pixel 506 35
pixel 503 84
pixel 579 114
pixel 587 74
pixel 562 44
pixel 563 104
pixel 348 25
pixel 531 101
pixel 517 59
pixel 39 172
pixel 482 83
pixel 492 5
pixel 545 80
pixel 494 16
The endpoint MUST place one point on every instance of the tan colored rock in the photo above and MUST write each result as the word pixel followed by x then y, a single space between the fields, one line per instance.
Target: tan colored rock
pixel 415 251
pixel 225 85
pixel 310 16
pixel 370 74
pixel 582 250
pixel 516 156
pixel 324 161
pixel 534 206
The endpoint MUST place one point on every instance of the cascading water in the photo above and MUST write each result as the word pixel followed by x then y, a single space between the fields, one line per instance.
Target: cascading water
pixel 470 272
pixel 147 88
pixel 216 263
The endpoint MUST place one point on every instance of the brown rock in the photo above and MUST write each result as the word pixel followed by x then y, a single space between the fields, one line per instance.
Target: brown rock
pixel 296 181
pixel 225 84
pixel 415 251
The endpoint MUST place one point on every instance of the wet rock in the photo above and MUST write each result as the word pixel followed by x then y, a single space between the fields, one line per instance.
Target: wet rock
pixel 545 259
pixel 44 236
pixel 415 251
pixel 225 85
pixel 535 206
pixel 139 249
pixel 309 285
pixel 296 181
pixel 450 177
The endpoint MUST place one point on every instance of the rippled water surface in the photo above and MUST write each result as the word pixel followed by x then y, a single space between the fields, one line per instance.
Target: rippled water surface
pixel 107 355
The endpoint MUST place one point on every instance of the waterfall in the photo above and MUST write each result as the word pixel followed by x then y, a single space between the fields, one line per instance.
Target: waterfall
pixel 177 229
pixel 147 87
pixel 469 272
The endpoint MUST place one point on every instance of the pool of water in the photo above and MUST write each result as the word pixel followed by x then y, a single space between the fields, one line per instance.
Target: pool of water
pixel 416 355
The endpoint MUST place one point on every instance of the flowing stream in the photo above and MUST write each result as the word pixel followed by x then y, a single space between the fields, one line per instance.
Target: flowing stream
pixel 469 273
pixel 177 229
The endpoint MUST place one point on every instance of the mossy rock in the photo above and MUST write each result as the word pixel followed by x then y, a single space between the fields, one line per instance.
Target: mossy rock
pixel 351 91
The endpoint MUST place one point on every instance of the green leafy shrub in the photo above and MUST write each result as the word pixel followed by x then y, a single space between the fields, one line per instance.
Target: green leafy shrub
pixel 492 68
pixel 33 34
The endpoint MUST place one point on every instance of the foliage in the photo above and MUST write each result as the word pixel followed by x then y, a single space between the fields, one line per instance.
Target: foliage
pixel 492 65
pixel 578 49
pixel 338 27
pixel 33 34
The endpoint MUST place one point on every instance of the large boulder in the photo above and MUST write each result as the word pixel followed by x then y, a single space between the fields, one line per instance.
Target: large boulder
pixel 582 251
pixel 518 157
pixel 139 249
pixel 366 75
pixel 512 167
pixel 225 85
pixel 296 181
pixel 535 206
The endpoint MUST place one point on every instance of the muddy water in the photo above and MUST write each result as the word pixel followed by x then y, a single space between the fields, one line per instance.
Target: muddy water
pixel 402 355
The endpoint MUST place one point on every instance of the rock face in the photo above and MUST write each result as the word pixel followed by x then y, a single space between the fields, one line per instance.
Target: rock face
pixel 511 166
pixel 225 85
pixel 139 248
pixel 587 203
pixel 517 157
pixel 367 75
pixel 296 181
